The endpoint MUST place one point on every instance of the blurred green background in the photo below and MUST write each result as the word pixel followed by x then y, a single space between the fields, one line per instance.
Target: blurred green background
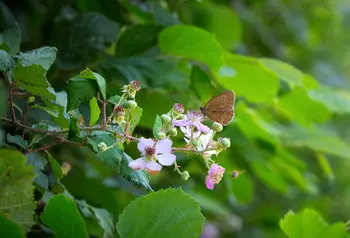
pixel 293 146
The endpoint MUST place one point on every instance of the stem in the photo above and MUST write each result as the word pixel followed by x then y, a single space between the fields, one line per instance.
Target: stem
pixel 104 113
pixel 176 168
pixel 13 116
pixel 25 117
pixel 190 150
pixel 45 147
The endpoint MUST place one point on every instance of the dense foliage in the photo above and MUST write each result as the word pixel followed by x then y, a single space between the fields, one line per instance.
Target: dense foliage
pixel 97 96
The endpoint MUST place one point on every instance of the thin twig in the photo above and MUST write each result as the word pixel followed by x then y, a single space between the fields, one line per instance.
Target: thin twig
pixel 13 116
pixel 104 103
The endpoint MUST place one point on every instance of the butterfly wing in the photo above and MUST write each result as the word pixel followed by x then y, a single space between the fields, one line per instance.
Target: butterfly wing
pixel 220 108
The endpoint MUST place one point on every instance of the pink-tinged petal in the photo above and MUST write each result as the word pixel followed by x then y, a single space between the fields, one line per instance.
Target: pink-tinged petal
pixel 152 166
pixel 137 164
pixel 163 146
pixel 166 159
pixel 209 183
pixel 143 143
pixel 184 122
pixel 202 128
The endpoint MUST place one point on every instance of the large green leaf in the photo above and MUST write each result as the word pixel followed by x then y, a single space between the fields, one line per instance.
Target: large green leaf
pixel 17 140
pixel 46 92
pixel 101 82
pixel 44 56
pixel 297 105
pixel 248 78
pixel 309 224
pixel 10 39
pixel 6 61
pixel 10 229
pixel 80 90
pixel 191 43
pixel 81 39
pixel 133 115
pixel 16 188
pixel 34 75
pixel 137 39
pixel 63 218
pixel 94 111
pixel 173 213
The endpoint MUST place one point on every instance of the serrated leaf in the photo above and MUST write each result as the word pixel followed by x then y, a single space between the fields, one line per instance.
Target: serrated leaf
pixel 80 90
pixel 10 39
pixel 56 168
pixel 94 111
pixel 248 78
pixel 297 105
pixel 309 224
pixel 56 112
pixel 133 116
pixel 174 214
pixel 63 218
pixel 10 229
pixel 101 82
pixel 46 92
pixel 34 75
pixel 81 39
pixel 137 39
pixel 191 43
pixel 44 56
pixel 6 61
pixel 17 140
pixel 16 188
pixel 157 127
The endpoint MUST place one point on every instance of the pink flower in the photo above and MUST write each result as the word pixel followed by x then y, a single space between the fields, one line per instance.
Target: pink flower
pixel 153 152
pixel 215 174
pixel 195 119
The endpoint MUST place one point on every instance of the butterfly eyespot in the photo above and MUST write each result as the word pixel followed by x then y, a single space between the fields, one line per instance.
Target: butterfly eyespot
pixel 223 97
pixel 225 113
pixel 225 101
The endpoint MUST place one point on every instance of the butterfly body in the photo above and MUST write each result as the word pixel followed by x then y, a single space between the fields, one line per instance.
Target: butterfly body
pixel 220 108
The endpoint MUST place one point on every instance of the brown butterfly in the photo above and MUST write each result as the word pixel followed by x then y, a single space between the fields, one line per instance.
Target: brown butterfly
pixel 220 108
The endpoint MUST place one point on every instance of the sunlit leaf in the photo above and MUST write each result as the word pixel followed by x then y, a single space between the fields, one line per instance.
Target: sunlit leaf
pixel 10 229
pixel 44 56
pixel 325 166
pixel 94 111
pixel 80 90
pixel 133 115
pixel 174 214
pixel 243 187
pixel 157 127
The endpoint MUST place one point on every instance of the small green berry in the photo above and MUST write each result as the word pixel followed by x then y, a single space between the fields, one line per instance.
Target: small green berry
pixel 166 119
pixel 132 104
pixel 173 132
pixel 31 99
pixel 161 135
pixel 185 175
pixel 217 127
pixel 226 142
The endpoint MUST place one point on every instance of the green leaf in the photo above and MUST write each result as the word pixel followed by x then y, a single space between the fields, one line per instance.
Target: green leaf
pixel 309 224
pixel 56 111
pixel 297 105
pixel 6 61
pixel 56 168
pixel 157 127
pixel 215 18
pixel 101 82
pixel 248 78
pixel 243 188
pixel 34 75
pixel 94 111
pixel 191 43
pixel 63 218
pixel 314 139
pixel 80 90
pixel 137 39
pixel 325 166
pixel 133 115
pixel 286 72
pixel 10 39
pixel 17 140
pixel 10 229
pixel 333 100
pixel 46 92
pixel 44 56
pixel 202 84
pixel 16 188
pixel 82 38
pixel 174 214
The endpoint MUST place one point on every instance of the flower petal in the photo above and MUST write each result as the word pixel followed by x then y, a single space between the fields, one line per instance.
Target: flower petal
pixel 152 166
pixel 184 122
pixel 209 183
pixel 138 163
pixel 163 146
pixel 143 143
pixel 202 128
pixel 166 159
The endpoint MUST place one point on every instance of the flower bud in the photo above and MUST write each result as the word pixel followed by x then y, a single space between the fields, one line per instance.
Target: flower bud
pixel 166 119
pixel 161 135
pixel 102 147
pixel 66 167
pixel 132 88
pixel 226 142
pixel 217 127
pixel 173 132
pixel 195 143
pixel 118 116
pixel 178 108
pixel 185 175
pixel 135 85
pixel 132 104
pixel 181 116
pixel 31 99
